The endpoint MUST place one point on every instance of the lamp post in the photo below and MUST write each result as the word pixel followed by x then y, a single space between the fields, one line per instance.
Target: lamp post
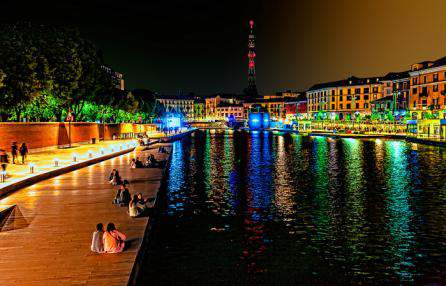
pixel 69 118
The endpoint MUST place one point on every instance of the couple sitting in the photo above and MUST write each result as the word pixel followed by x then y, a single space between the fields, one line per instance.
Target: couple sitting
pixel 136 163
pixel 151 162
pixel 138 205
pixel 115 178
pixel 110 241
pixel 122 197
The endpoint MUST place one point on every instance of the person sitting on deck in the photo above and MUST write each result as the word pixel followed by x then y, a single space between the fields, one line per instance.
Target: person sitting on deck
pixel 152 162
pixel 141 203
pixel 96 241
pixel 162 149
pixel 135 163
pixel 122 196
pixel 114 241
pixel 134 210
pixel 114 178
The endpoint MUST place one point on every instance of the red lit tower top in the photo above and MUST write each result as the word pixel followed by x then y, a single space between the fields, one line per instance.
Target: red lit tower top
pixel 252 88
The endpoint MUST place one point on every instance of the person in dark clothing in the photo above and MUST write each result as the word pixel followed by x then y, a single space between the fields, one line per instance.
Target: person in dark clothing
pixel 3 159
pixel 125 196
pixel 23 152
pixel 14 151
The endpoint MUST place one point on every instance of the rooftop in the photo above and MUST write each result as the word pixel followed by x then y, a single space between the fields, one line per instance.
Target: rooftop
pixel 177 97
pixel 432 64
pixel 396 75
pixel 351 81
pixel 224 104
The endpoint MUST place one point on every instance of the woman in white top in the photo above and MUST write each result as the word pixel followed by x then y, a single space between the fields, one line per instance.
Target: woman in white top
pixel 134 211
pixel 96 241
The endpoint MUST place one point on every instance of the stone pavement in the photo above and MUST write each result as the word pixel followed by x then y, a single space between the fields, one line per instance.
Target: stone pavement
pixel 50 244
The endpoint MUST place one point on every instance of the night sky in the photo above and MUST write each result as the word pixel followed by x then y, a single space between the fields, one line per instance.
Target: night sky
pixel 200 46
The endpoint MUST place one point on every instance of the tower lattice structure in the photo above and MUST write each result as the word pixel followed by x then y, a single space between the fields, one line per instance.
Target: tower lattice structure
pixel 252 87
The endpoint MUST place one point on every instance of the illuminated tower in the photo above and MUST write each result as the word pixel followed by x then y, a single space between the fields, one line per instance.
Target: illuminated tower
pixel 252 88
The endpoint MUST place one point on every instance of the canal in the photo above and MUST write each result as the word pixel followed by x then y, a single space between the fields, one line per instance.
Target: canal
pixel 266 208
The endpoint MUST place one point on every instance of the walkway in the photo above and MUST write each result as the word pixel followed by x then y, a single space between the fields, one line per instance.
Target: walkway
pixel 45 161
pixel 56 218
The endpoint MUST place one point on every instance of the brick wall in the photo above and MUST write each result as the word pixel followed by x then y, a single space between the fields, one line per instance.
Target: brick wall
pixel 49 134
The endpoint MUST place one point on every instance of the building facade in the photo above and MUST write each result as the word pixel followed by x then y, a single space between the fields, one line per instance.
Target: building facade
pixel 394 102
pixel 199 109
pixel 213 102
pixel 343 99
pixel 227 111
pixel 428 89
pixel 179 104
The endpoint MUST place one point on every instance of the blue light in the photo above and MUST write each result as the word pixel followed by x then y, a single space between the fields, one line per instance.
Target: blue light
pixel 172 120
pixel 254 121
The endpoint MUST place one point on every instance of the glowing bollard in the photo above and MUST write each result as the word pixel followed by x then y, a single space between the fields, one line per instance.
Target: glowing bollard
pixel 74 157
pixel 90 154
pixel 102 151
pixel 56 162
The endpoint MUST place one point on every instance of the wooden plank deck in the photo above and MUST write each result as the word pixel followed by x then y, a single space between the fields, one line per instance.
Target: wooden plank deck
pixel 52 247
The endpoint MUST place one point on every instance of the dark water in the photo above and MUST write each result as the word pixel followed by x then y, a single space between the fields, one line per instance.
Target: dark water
pixel 279 209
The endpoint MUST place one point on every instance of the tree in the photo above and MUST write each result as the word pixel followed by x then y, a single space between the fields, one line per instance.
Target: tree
pixel 146 102
pixel 20 61
pixel 2 78
pixel 159 109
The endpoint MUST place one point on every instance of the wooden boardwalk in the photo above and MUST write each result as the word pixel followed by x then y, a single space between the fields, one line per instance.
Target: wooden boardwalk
pixel 55 221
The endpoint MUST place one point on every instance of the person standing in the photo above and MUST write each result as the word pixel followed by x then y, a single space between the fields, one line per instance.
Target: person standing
pixel 14 151
pixel 3 159
pixel 23 152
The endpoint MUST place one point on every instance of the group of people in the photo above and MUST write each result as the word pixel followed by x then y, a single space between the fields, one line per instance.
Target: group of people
pixel 137 205
pixel 111 240
pixel 151 162
pixel 15 152
pixel 108 241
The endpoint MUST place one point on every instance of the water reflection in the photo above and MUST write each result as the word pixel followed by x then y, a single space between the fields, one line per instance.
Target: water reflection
pixel 285 209
pixel 398 207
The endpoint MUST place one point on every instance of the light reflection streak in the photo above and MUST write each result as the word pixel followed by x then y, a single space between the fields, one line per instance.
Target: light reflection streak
pixel 398 207
pixel 354 200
